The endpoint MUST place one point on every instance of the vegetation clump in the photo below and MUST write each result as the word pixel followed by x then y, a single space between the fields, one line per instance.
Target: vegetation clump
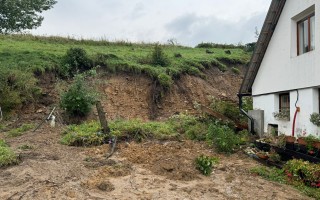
pixel 79 98
pixel 315 119
pixel 76 60
pixel 19 131
pixel 7 156
pixel 17 88
pixel 205 163
pixel 223 138
pixel 158 57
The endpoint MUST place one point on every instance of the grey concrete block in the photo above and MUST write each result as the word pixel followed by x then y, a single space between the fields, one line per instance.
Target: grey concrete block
pixel 258 116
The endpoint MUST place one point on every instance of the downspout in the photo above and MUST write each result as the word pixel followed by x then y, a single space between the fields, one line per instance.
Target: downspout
pixel 245 113
pixel 295 114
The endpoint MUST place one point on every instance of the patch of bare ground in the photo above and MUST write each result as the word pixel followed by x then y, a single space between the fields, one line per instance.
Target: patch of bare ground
pixel 149 170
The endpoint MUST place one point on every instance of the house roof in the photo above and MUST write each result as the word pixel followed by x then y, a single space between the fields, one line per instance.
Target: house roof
pixel 265 36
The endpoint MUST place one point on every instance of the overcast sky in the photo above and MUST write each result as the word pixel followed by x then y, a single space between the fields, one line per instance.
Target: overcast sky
pixel 188 21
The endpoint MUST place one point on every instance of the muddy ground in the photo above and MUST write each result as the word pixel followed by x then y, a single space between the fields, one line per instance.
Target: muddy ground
pixel 147 170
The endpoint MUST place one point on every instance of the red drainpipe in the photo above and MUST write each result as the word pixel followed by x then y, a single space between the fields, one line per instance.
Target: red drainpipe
pixel 294 120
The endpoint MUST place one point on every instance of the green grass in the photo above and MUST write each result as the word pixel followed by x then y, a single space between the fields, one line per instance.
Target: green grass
pixel 34 53
pixel 20 131
pixel 7 156
pixel 278 175
pixel 178 126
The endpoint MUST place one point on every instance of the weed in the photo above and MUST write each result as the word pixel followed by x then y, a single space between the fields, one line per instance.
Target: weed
pixel 205 163
pixel 272 174
pixel 7 156
pixel 19 131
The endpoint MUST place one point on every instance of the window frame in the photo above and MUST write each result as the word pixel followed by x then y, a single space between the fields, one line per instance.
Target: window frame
pixel 309 33
pixel 280 102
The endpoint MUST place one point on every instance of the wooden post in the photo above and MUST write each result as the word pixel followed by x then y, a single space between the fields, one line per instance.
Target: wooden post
pixel 102 118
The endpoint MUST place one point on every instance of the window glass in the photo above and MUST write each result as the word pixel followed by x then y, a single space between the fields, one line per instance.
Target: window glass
pixel 312 35
pixel 284 102
pixel 306 34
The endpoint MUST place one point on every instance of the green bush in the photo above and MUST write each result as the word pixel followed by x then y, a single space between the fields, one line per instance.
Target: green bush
pixel 205 163
pixel 77 101
pixel 315 119
pixel 7 156
pixel 17 88
pixel 303 171
pixel 76 60
pixel 223 138
pixel 158 57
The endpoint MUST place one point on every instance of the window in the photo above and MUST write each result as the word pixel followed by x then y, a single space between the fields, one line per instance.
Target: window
pixel 306 34
pixel 284 103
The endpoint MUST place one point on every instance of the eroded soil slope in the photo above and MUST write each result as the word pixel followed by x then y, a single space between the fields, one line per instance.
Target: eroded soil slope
pixel 132 96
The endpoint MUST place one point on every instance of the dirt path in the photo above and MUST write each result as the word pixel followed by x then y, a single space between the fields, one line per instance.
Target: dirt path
pixel 150 170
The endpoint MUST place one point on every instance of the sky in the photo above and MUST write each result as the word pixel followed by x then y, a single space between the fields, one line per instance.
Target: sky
pixel 188 22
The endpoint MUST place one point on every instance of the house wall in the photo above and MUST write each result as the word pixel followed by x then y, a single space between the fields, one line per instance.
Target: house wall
pixel 307 102
pixel 281 68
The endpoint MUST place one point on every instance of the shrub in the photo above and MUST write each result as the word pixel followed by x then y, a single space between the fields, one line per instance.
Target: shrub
pixel 7 156
pixel 158 57
pixel 315 119
pixel 17 88
pixel 303 171
pixel 77 101
pixel 222 137
pixel 75 60
pixel 204 164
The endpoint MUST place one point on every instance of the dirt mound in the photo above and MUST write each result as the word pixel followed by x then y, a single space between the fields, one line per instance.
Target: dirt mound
pixel 173 159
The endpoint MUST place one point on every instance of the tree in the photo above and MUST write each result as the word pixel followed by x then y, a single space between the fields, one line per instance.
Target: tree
pixel 18 15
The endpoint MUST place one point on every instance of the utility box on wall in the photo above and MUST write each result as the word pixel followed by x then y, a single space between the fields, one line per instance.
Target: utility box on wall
pixel 258 117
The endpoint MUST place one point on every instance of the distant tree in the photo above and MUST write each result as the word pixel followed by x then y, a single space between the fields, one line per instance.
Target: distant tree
pixel 18 15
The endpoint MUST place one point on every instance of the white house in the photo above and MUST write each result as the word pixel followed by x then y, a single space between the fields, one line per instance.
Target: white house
pixel 284 72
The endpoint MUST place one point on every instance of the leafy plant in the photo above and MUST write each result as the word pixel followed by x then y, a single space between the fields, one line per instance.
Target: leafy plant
pixel 223 138
pixel 77 101
pixel 303 171
pixel 205 163
pixel 282 115
pixel 315 119
pixel 7 156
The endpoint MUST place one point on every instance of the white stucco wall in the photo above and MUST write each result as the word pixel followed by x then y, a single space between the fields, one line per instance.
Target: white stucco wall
pixel 281 68
pixel 307 102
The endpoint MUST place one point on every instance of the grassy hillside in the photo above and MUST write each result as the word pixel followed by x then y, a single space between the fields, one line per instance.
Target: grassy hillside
pixel 23 55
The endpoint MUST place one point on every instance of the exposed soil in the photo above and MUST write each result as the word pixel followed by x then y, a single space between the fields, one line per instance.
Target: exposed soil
pixel 149 170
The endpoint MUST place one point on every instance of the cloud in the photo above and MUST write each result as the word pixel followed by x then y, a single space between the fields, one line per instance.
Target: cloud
pixel 188 21
pixel 193 29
